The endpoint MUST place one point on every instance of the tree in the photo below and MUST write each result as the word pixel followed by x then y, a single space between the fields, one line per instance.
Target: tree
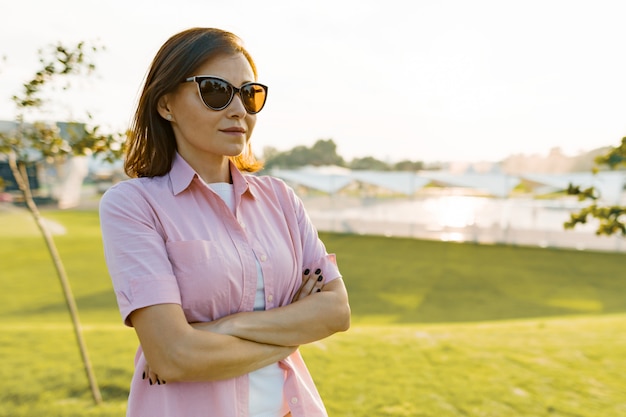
pixel 323 152
pixel 368 163
pixel 408 165
pixel 42 140
pixel 612 218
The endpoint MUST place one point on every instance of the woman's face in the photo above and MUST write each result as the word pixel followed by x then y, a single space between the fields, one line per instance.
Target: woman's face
pixel 204 135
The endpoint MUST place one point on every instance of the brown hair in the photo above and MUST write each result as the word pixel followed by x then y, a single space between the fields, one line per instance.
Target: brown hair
pixel 151 145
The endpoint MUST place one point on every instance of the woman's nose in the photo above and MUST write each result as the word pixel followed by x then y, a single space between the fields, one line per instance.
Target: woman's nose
pixel 236 106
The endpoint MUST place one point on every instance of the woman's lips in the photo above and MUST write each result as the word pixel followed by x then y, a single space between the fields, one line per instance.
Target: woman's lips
pixel 234 130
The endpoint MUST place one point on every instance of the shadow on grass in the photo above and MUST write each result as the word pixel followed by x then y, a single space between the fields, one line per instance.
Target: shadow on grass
pixel 102 301
pixel 110 392
pixel 413 281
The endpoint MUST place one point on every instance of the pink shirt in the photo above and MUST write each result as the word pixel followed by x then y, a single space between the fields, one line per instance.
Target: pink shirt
pixel 171 239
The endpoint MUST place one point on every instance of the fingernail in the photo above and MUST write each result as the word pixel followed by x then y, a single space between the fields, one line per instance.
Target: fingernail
pixel 320 278
pixel 164 382
pixel 306 271
pixel 318 271
pixel 158 381
pixel 143 376
pixel 150 380
pixel 319 290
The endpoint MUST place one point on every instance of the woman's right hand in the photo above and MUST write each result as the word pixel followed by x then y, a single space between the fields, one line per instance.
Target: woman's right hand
pixel 312 282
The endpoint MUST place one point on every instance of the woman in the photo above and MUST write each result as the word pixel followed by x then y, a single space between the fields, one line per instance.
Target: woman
pixel 221 274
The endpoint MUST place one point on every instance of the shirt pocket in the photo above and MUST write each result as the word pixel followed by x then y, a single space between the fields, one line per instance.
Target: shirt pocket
pixel 207 286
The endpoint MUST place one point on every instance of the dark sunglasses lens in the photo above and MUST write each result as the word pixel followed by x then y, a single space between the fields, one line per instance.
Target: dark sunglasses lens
pixel 215 93
pixel 253 97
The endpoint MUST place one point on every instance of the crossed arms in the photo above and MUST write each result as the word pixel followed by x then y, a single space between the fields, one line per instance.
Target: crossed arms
pixel 240 343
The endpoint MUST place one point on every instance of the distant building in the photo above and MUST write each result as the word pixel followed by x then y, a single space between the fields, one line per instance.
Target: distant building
pixel 6 176
pixel 555 162
pixel 60 182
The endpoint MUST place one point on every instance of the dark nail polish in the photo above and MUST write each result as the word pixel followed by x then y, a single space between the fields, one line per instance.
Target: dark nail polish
pixel 158 381
pixel 164 382
pixel 318 271
pixel 320 278
pixel 143 376
pixel 319 290
pixel 150 380
pixel 306 271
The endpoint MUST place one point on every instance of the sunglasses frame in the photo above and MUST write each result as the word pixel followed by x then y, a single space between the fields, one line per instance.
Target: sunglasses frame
pixel 235 90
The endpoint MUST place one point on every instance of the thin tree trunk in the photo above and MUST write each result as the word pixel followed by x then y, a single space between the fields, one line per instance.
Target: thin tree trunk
pixel 21 177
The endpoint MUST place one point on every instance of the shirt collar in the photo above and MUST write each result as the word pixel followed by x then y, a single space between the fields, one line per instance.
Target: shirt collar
pixel 182 174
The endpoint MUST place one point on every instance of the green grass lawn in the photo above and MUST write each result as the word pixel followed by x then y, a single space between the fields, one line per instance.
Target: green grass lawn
pixel 439 328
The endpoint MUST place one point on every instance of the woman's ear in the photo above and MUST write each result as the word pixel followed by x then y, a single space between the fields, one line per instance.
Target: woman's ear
pixel 163 108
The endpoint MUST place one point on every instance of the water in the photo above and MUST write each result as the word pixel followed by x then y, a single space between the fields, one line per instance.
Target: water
pixel 521 221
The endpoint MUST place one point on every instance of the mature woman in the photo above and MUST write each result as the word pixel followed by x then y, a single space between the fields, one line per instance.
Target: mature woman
pixel 220 273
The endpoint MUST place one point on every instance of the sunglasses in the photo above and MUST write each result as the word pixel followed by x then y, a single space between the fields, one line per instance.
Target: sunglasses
pixel 217 93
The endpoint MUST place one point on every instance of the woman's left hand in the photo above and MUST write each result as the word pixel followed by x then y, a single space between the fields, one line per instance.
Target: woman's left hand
pixel 153 379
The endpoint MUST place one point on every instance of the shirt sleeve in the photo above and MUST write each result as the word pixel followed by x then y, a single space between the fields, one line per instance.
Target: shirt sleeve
pixel 314 252
pixel 135 251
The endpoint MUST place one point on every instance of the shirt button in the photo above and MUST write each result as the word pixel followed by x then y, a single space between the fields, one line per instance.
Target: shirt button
pixel 263 258
pixel 270 298
pixel 294 400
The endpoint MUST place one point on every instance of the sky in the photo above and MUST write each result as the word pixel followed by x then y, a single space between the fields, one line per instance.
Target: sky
pixel 444 80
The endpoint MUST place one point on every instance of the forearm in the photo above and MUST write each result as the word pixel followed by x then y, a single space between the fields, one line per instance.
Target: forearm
pixel 307 320
pixel 178 352
pixel 207 356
